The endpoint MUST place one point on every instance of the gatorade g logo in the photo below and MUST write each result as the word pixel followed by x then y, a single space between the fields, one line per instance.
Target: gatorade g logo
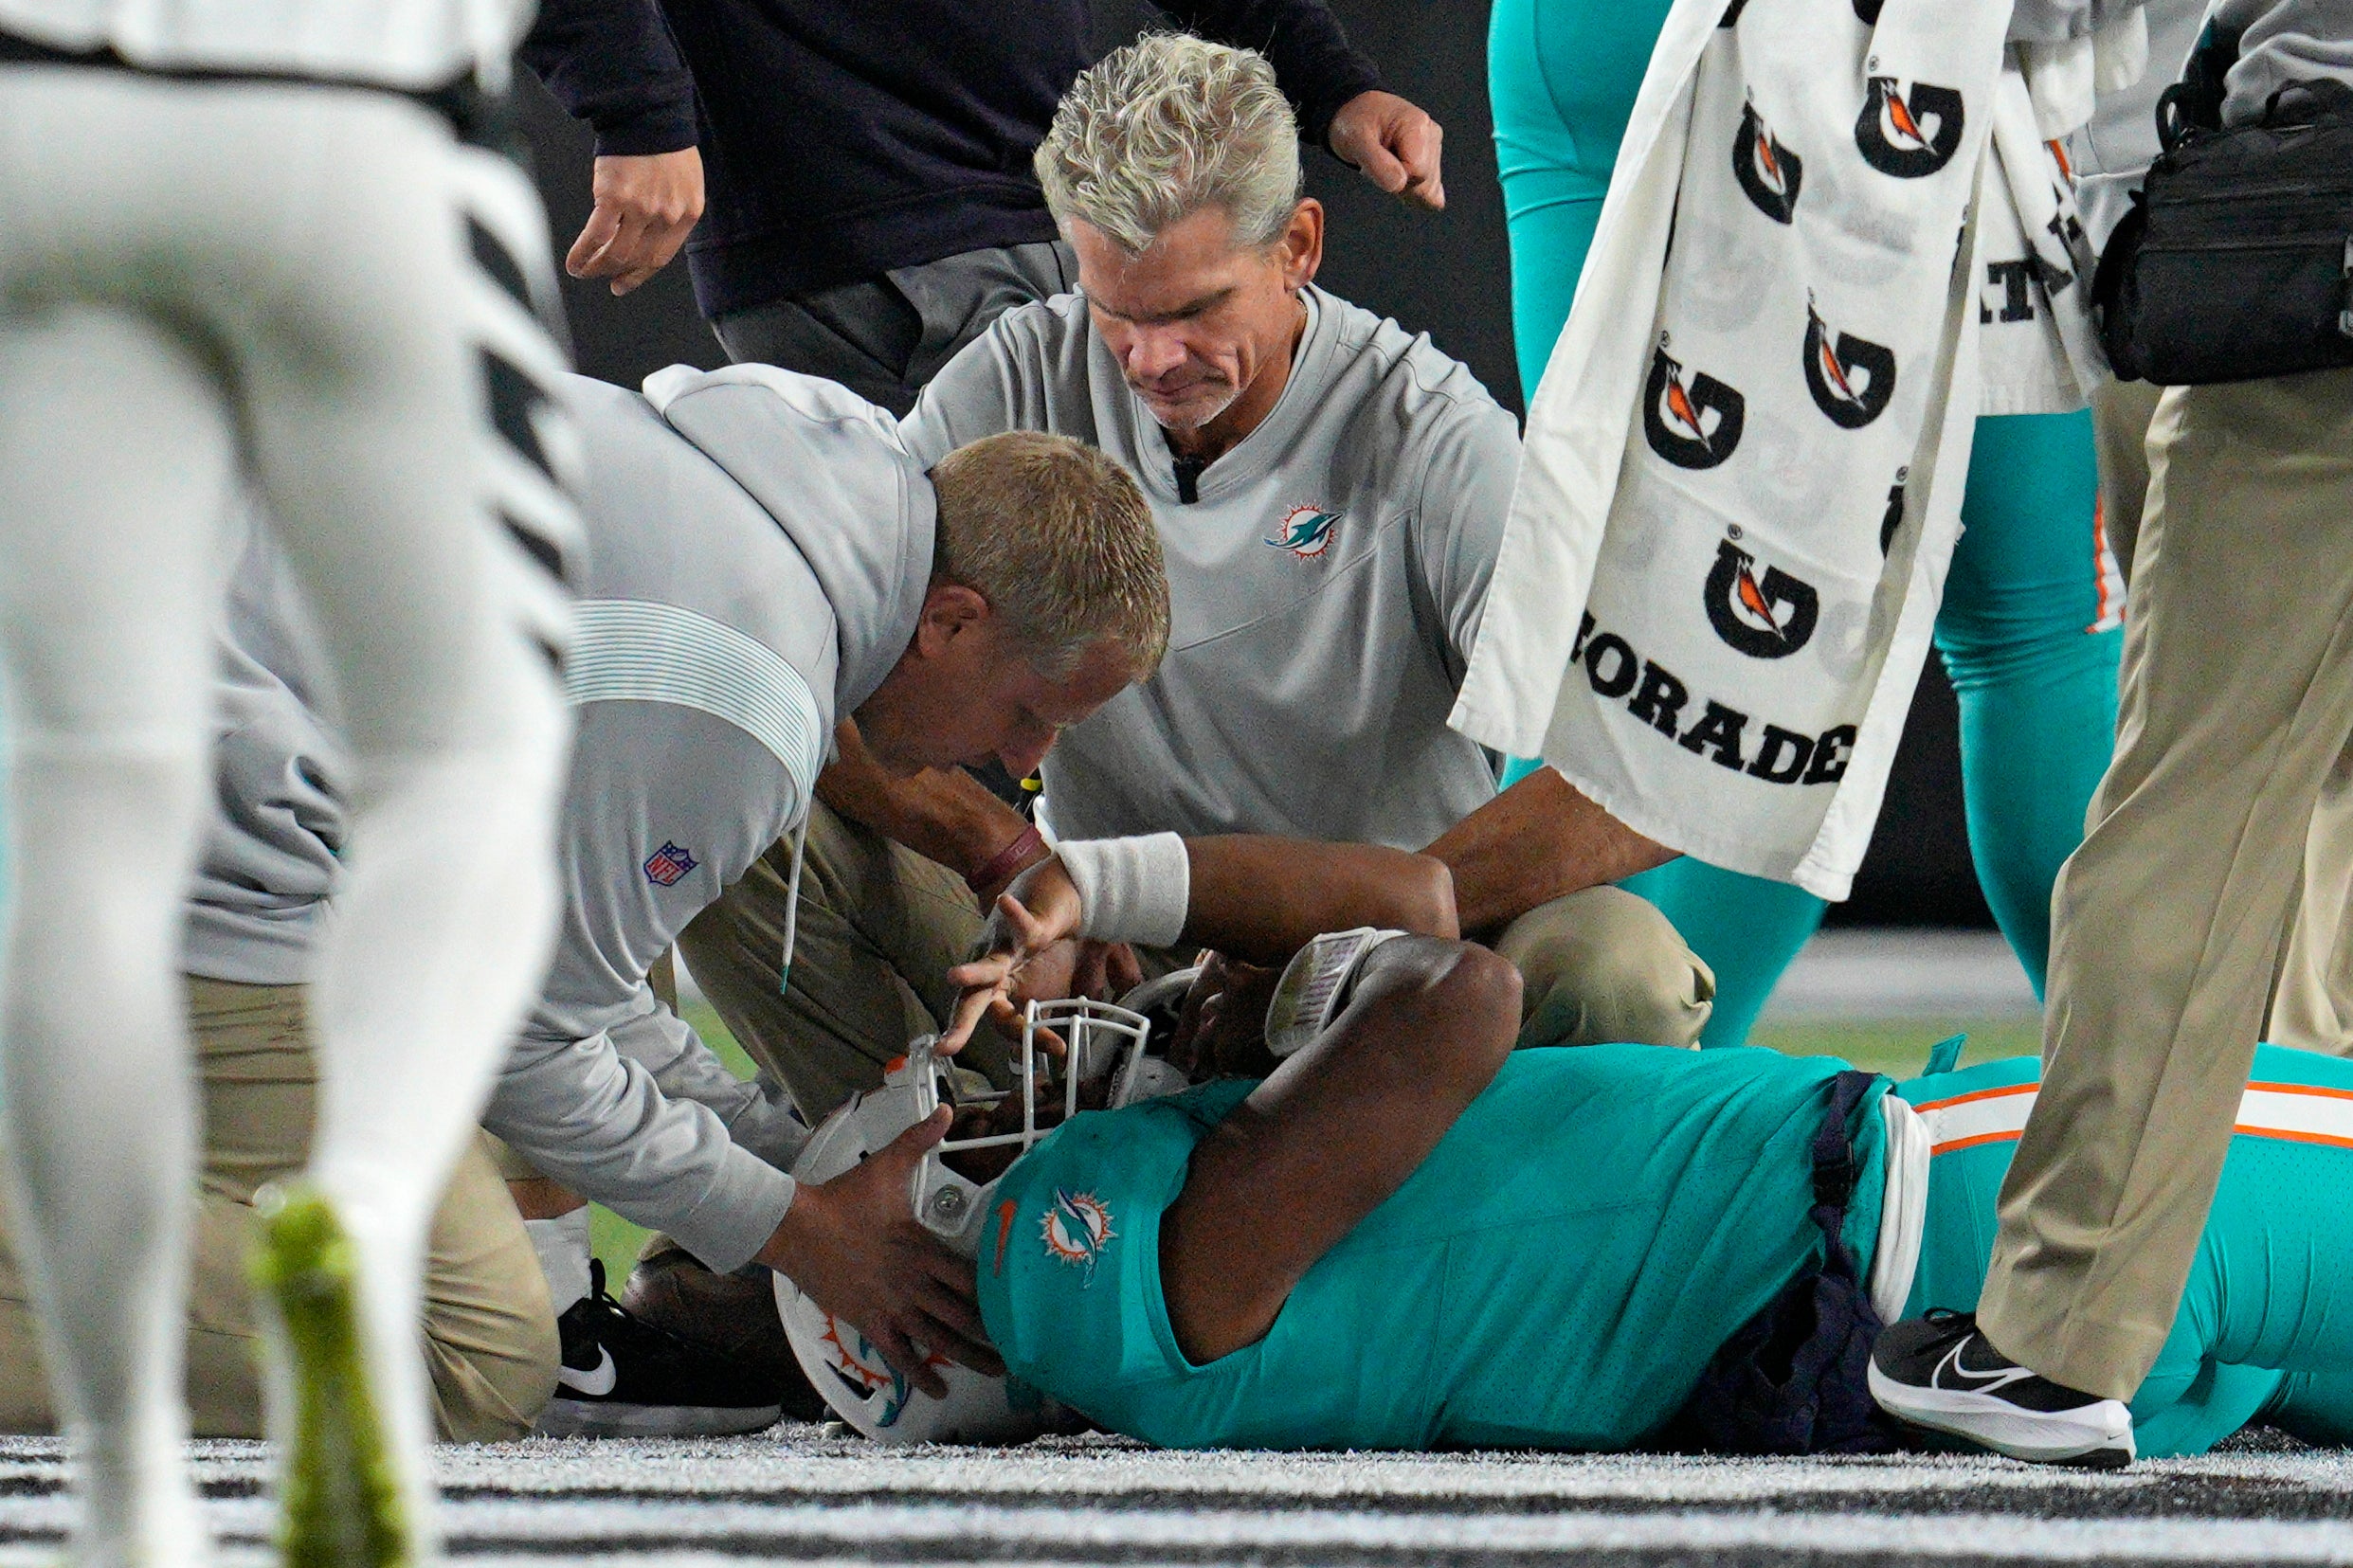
pixel 1764 617
pixel 1912 135
pixel 1693 423
pixel 1768 171
pixel 1850 380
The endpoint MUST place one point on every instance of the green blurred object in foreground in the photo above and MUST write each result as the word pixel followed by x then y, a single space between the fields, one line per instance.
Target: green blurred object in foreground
pixel 339 1506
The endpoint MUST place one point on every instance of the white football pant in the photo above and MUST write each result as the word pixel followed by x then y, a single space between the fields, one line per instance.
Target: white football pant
pixel 311 291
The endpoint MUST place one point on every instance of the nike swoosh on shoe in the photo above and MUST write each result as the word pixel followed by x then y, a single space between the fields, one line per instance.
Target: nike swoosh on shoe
pixel 597 1380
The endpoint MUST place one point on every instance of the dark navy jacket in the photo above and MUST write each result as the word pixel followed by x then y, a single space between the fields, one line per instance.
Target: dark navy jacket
pixel 841 139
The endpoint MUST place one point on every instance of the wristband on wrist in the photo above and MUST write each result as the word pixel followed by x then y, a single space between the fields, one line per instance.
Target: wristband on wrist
pixel 1003 865
pixel 1131 889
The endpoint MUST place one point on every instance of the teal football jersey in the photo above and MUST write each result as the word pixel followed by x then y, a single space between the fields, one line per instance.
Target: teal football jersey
pixel 1556 1274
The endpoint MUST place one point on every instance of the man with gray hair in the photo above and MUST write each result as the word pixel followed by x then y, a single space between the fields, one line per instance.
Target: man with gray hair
pixel 1330 494
pixel 764 556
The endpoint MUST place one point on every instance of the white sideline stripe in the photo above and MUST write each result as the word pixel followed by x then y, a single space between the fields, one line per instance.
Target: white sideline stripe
pixel 793 1462
pixel 949 1532
pixel 2292 1111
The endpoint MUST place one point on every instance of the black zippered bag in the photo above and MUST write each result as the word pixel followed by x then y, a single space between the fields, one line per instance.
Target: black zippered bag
pixel 2237 259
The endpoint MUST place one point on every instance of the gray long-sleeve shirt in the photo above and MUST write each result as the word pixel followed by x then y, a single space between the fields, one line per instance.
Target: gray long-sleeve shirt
pixel 2283 41
pixel 1325 582
pixel 758 547
pixel 269 851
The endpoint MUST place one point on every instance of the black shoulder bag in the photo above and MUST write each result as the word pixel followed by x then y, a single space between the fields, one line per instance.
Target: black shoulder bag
pixel 2237 259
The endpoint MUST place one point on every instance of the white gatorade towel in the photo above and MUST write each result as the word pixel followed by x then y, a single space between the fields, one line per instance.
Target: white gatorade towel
pixel 1833 238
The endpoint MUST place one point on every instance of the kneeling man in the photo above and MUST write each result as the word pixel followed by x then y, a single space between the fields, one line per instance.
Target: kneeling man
pixel 1330 494
pixel 765 557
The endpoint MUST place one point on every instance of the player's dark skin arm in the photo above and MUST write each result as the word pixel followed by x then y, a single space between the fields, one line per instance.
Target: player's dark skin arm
pixel 1255 898
pixel 1261 899
pixel 1538 840
pixel 1327 1138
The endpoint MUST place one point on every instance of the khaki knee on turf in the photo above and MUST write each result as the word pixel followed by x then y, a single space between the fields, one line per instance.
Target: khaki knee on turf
pixel 490 1336
pixel 1604 965
pixel 489 1328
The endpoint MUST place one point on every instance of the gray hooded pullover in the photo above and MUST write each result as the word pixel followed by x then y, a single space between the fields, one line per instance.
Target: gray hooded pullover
pixel 759 544
pixel 269 851
pixel 1326 579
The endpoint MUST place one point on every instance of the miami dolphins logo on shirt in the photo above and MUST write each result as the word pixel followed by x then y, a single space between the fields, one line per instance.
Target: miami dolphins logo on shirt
pixel 1077 1227
pixel 1304 530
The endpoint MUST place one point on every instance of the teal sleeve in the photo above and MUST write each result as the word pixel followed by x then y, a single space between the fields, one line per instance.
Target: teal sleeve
pixel 1561 76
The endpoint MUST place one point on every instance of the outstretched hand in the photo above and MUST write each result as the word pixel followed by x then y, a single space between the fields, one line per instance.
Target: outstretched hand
pixel 854 1246
pixel 1035 917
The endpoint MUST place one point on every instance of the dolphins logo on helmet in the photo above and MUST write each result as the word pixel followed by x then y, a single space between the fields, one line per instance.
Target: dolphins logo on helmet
pixel 1911 135
pixel 1693 423
pixel 1102 1044
pixel 1851 379
pixel 1770 173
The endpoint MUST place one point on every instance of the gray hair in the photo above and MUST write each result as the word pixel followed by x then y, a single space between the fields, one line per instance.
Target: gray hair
pixel 1170 125
pixel 1061 542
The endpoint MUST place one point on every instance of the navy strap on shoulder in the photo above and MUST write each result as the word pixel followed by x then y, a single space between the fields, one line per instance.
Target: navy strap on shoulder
pixel 1794 1378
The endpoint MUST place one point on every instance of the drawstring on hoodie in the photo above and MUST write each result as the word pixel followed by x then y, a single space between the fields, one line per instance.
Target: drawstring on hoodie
pixel 793 905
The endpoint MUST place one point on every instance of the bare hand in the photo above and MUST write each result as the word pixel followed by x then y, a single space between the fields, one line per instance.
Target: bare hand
pixel 1393 144
pixel 853 1246
pixel 644 207
pixel 1031 954
pixel 1222 1027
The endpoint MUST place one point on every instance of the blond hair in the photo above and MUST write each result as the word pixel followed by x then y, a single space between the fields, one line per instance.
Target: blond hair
pixel 1170 125
pixel 1059 541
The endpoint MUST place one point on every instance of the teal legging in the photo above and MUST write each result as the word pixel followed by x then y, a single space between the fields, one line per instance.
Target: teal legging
pixel 2027 629
pixel 2265 1329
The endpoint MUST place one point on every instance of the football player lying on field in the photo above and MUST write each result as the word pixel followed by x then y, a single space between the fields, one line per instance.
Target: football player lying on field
pixel 1407 1235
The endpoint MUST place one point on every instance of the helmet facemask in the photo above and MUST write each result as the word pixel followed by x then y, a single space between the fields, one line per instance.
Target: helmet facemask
pixel 1100 1044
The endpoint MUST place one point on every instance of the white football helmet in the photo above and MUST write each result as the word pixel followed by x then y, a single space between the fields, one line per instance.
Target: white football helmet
pixel 1102 1041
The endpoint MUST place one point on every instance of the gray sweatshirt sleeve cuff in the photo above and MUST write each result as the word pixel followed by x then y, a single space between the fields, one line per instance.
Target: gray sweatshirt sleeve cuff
pixel 737 1216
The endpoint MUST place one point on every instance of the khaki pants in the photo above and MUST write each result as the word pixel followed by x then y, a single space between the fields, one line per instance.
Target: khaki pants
pixel 490 1340
pixel 881 926
pixel 2237 704
pixel 2311 1008
pixel 2121 412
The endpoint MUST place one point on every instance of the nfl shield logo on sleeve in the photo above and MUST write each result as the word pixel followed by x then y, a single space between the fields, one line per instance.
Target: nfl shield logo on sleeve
pixel 667 864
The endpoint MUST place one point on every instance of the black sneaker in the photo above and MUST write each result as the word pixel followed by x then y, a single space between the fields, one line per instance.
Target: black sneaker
pixel 732 1316
pixel 1940 1372
pixel 624 1377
